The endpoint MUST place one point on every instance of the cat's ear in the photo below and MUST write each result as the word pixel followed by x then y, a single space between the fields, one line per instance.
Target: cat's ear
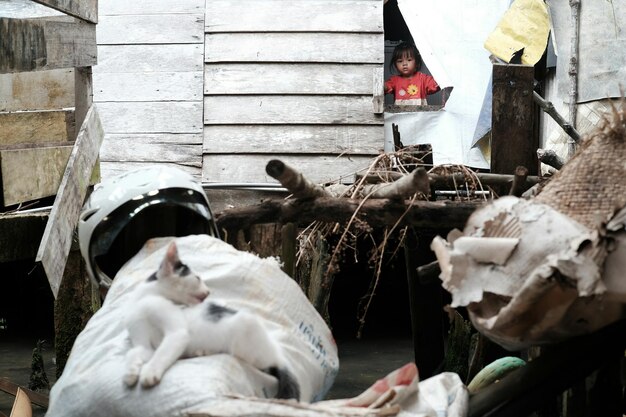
pixel 170 260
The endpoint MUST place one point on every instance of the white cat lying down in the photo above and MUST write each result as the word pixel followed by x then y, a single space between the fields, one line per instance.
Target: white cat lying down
pixel 171 318
pixel 92 381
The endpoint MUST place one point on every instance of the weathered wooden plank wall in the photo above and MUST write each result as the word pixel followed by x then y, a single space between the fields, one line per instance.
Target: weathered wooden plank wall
pixel 291 80
pixel 148 84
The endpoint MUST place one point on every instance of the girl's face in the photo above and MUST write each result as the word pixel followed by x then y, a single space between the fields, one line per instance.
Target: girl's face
pixel 406 65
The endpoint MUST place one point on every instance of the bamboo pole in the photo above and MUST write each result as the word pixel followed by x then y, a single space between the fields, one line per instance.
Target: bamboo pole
pixel 573 71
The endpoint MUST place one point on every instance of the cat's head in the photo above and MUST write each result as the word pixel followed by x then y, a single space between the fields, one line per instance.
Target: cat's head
pixel 177 282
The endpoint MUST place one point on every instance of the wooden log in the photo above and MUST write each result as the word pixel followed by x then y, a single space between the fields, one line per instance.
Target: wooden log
pixel 81 9
pixel 415 182
pixel 43 44
pixel 289 243
pixel 519 181
pixel 56 242
pixel 294 181
pixel 513 141
pixel 380 212
pixel 549 157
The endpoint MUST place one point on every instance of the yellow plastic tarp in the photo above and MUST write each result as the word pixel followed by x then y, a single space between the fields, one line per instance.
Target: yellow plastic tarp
pixel 525 25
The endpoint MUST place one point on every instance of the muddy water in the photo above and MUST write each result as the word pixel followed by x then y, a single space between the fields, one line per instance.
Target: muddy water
pixel 15 360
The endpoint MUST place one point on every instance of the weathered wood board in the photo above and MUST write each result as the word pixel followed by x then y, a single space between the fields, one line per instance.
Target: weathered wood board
pixel 279 47
pixel 303 139
pixel 150 29
pixel 289 110
pixel 151 117
pixel 32 173
pixel 125 7
pixel 36 127
pixel 82 9
pixel 272 78
pixel 57 239
pixel 149 58
pixel 178 148
pixel 148 86
pixel 513 141
pixel 109 170
pixel 294 16
pixel 39 90
pixel 251 168
pixel 46 43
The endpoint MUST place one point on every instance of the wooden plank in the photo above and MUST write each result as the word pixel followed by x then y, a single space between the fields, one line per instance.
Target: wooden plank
pixel 83 88
pixel 35 397
pixel 120 7
pixel 43 44
pixel 182 148
pixel 290 110
pixel 149 29
pixel 111 168
pixel 20 234
pixel 378 90
pixel 57 239
pixel 39 90
pixel 279 47
pixel 155 86
pixel 82 9
pixel 293 16
pixel 251 168
pixel 36 127
pixel 272 78
pixel 32 173
pixel 151 117
pixel 302 139
pixel 513 142
pixel 149 58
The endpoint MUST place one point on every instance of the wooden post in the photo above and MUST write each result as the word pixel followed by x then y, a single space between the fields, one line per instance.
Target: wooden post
pixel 83 94
pixel 513 142
pixel 426 311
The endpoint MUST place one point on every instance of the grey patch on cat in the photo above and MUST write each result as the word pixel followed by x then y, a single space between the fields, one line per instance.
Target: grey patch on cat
pixel 181 269
pixel 217 312
pixel 152 277
pixel 288 387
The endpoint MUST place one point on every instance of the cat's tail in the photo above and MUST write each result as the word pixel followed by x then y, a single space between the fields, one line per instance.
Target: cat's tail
pixel 288 387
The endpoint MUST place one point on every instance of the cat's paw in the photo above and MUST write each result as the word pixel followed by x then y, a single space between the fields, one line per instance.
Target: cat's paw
pixel 150 377
pixel 131 378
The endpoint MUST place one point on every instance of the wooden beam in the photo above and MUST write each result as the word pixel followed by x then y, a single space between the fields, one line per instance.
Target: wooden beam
pixel 57 239
pixel 513 142
pixel 32 173
pixel 39 127
pixel 39 90
pixel 380 212
pixel 48 43
pixel 35 397
pixel 81 9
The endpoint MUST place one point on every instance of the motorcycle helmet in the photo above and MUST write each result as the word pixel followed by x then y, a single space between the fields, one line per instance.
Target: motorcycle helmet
pixel 123 212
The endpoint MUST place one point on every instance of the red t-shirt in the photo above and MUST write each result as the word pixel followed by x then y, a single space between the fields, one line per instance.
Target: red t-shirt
pixel 412 90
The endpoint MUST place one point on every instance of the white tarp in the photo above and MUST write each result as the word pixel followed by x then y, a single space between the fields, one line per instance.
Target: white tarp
pixel 601 48
pixel 450 36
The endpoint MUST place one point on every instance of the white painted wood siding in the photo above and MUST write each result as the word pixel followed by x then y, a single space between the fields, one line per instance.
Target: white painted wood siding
pixel 292 80
pixel 148 83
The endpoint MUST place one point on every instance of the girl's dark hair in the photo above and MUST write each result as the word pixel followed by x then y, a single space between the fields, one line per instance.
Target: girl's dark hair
pixel 402 49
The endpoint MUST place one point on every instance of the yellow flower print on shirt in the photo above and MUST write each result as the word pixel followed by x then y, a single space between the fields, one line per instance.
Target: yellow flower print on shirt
pixel 412 90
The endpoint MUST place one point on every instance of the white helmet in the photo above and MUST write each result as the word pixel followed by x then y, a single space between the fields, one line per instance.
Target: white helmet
pixel 123 212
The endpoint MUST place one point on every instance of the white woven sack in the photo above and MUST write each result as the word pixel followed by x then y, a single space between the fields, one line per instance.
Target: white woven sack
pixel 91 384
